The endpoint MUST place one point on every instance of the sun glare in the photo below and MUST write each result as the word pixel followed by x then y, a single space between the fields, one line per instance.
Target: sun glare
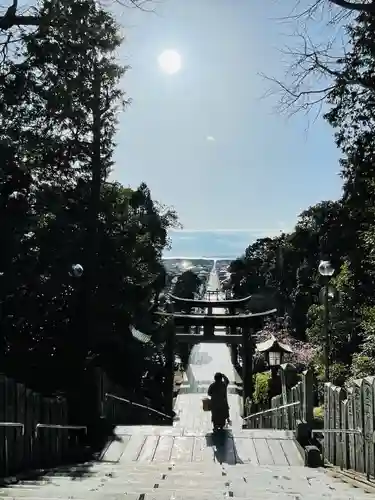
pixel 186 264
pixel 170 61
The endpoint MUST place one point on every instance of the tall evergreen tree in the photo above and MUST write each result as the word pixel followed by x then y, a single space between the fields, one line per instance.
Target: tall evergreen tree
pixel 58 96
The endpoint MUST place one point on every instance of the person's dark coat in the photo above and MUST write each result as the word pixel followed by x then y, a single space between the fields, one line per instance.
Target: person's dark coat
pixel 219 400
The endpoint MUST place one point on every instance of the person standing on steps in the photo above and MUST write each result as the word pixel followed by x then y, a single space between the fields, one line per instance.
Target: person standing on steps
pixel 219 401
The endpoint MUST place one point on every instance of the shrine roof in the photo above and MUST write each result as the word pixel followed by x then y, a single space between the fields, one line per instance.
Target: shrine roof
pixel 272 344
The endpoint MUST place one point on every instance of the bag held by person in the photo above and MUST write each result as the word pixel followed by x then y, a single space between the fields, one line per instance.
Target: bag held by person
pixel 206 403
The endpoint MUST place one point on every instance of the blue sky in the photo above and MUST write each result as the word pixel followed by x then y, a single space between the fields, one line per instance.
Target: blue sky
pixel 263 168
pixel 206 140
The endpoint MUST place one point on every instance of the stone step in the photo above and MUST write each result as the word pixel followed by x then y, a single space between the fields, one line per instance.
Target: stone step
pixel 254 484
pixel 187 496
pixel 181 484
pixel 176 431
pixel 137 466
pixel 249 491
pixel 183 468
pixel 254 480
pixel 179 477
pixel 263 448
pixel 118 477
pixel 194 480
pixel 195 496
pixel 231 432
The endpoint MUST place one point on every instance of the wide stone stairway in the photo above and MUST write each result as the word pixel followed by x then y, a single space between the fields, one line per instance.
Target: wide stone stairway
pixel 186 461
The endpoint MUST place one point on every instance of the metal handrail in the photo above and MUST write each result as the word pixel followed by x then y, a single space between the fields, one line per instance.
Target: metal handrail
pixel 107 395
pixel 13 424
pixel 271 410
pixel 336 431
pixel 58 426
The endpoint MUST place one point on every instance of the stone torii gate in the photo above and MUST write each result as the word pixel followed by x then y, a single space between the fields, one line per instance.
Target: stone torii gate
pixel 233 322
pixel 231 305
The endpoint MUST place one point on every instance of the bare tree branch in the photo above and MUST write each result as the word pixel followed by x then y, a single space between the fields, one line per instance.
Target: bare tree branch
pixel 7 23
pixel 314 68
pixel 12 26
pixel 363 6
pixel 308 80
pixel 16 19
pixel 11 18
pixel 313 73
pixel 293 99
pixel 137 4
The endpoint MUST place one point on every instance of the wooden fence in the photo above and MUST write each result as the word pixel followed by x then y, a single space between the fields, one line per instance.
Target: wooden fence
pixel 115 411
pixel 30 432
pixel 351 412
pixel 35 431
pixel 299 398
pixel 123 412
pixel 295 403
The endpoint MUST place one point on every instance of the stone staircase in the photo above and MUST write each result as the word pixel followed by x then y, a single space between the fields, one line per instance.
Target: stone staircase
pixel 128 471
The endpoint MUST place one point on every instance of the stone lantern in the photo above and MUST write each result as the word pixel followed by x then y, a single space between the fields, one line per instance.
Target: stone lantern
pixel 274 352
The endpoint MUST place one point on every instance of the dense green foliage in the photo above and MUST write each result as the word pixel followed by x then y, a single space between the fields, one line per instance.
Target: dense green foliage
pixel 54 325
pixel 342 231
pixel 261 388
pixel 187 285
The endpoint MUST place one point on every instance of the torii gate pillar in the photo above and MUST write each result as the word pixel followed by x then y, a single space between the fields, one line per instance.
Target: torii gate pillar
pixel 247 364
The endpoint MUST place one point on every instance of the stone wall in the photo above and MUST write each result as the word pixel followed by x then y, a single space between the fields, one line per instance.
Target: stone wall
pixel 351 410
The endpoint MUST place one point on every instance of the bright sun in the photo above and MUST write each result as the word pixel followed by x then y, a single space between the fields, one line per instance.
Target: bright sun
pixel 170 61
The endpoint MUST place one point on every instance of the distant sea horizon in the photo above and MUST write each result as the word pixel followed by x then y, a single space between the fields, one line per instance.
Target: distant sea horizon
pixel 201 257
pixel 208 244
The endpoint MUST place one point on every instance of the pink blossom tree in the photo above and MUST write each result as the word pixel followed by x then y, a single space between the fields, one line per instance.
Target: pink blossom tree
pixel 303 352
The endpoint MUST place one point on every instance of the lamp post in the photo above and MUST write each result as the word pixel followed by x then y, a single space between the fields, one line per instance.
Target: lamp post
pixel 326 270
pixel 274 358
pixel 76 272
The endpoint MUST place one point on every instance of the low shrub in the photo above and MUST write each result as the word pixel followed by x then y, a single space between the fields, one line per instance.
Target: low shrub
pixel 262 388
